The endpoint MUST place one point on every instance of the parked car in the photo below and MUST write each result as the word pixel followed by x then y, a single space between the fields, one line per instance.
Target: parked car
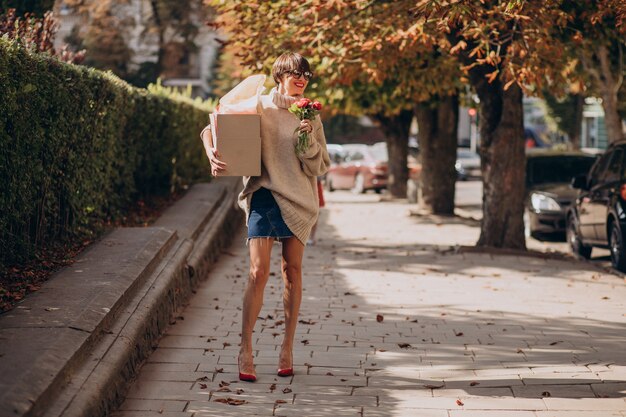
pixel 362 168
pixel 467 164
pixel 335 152
pixel 597 218
pixel 415 167
pixel 548 189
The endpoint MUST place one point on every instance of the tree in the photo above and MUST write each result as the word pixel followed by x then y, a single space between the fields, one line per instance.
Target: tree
pixel 437 120
pixel 596 31
pixel 170 24
pixel 176 24
pixel 505 48
pixel 105 40
pixel 104 36
pixel 360 73
pixel 567 111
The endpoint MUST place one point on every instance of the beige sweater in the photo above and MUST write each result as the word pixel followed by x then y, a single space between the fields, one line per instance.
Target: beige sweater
pixel 290 178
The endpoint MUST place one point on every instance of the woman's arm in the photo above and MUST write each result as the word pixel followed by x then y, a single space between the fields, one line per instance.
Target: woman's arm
pixel 315 161
pixel 217 166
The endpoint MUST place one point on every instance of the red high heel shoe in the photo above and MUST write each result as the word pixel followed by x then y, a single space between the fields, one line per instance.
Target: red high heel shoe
pixel 243 376
pixel 247 377
pixel 286 371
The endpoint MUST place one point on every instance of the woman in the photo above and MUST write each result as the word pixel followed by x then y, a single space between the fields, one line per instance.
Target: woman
pixel 281 204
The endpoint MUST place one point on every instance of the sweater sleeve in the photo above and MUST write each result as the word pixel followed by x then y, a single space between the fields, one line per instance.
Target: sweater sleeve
pixel 315 161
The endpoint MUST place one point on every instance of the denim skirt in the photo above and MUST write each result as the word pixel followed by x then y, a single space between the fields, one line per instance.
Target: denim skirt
pixel 265 219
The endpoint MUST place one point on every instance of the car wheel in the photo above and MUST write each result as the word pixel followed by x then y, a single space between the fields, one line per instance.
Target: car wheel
pixel 616 246
pixel 359 184
pixel 574 239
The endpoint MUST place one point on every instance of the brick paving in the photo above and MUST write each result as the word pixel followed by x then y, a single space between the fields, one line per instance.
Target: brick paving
pixel 395 322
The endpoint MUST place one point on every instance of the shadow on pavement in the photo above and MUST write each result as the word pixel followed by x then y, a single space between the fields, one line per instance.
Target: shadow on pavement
pixel 433 329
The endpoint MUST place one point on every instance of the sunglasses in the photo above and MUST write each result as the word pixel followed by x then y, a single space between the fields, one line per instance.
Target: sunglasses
pixel 297 74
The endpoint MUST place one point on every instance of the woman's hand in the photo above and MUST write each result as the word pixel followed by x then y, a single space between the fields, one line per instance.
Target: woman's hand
pixel 217 166
pixel 306 126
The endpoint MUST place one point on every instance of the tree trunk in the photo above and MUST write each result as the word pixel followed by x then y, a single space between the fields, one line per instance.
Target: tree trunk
pixel 575 129
pixel 503 162
pixel 396 130
pixel 158 22
pixel 608 78
pixel 612 118
pixel 437 123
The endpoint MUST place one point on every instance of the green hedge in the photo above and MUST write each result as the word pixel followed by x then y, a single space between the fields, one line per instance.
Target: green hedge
pixel 79 146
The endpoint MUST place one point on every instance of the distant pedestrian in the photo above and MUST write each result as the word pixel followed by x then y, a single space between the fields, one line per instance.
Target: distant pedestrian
pixel 281 204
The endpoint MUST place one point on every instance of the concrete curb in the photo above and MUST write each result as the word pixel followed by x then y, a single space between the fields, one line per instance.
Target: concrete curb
pixel 86 368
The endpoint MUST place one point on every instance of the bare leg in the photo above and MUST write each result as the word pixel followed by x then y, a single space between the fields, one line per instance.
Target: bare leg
pixel 260 254
pixel 293 251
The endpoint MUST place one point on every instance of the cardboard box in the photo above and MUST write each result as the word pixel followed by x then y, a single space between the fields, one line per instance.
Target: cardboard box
pixel 237 138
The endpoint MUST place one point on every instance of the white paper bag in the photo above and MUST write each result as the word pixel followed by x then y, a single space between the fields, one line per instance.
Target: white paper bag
pixel 243 99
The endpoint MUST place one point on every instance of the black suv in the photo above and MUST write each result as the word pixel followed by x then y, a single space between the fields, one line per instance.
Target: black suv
pixel 598 217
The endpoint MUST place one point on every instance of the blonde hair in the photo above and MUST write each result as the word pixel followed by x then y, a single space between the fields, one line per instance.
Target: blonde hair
pixel 289 61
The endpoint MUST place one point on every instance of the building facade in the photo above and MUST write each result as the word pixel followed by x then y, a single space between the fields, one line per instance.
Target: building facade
pixel 181 65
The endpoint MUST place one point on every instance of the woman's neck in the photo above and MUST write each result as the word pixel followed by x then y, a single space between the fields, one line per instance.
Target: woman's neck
pixel 282 90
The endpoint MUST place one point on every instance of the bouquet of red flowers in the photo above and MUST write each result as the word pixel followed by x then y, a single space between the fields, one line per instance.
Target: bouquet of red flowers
pixel 304 109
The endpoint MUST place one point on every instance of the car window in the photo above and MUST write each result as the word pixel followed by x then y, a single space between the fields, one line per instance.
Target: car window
pixel 556 169
pixel 613 172
pixel 598 169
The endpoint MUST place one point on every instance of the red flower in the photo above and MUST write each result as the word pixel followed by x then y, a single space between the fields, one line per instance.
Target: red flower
pixel 303 102
pixel 316 105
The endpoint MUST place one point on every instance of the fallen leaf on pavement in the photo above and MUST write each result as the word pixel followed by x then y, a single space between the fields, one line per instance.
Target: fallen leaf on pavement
pixel 474 383
pixel 286 390
pixel 459 403
pixel 404 345
pixel 224 384
pixel 272 387
pixel 230 401
pixel 430 386
pixel 204 378
pixel 281 402
pixel 380 318
pixel 219 370
pixel 203 386
pixel 546 394
pixel 329 374
pixel 309 322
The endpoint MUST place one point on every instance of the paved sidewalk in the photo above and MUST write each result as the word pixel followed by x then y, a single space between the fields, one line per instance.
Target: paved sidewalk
pixel 394 322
